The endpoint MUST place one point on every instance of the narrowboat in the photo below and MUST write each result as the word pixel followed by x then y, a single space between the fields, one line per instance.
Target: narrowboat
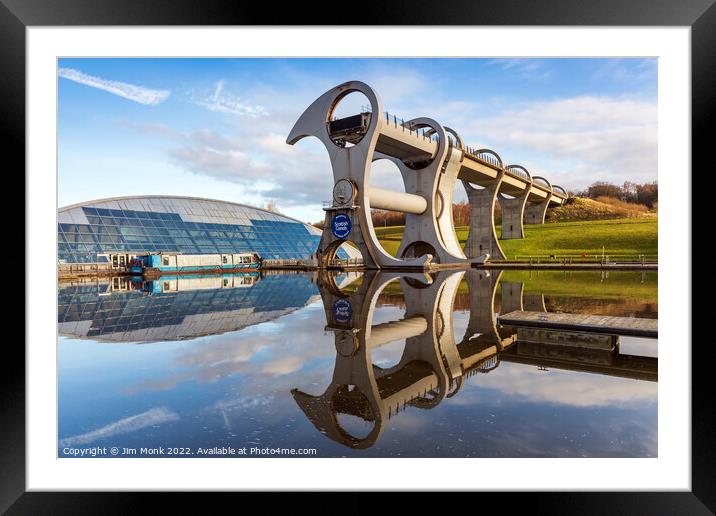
pixel 176 263
pixel 190 282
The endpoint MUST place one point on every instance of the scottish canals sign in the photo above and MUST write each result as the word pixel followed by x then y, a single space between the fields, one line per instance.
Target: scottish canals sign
pixel 342 311
pixel 341 225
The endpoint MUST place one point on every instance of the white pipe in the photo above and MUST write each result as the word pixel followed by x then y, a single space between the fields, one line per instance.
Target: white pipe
pixel 397 330
pixel 396 201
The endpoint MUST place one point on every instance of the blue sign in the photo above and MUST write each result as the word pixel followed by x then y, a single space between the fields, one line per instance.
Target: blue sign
pixel 341 225
pixel 342 311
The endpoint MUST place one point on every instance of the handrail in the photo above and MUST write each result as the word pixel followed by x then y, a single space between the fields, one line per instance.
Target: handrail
pixel 423 132
pixel 519 170
pixel 486 156
pixel 542 182
pixel 557 187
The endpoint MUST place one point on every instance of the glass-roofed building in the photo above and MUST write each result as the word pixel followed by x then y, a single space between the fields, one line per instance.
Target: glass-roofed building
pixel 118 228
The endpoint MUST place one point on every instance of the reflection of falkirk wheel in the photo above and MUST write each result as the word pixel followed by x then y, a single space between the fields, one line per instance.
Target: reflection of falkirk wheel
pixel 533 302
pixel 482 325
pixel 430 237
pixel 483 339
pixel 433 366
pixel 511 296
pixel 420 378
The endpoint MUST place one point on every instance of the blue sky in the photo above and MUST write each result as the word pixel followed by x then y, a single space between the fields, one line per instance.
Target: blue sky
pixel 216 127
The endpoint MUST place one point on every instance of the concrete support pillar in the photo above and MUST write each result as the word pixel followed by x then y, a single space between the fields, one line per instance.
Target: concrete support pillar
pixel 330 243
pixel 535 213
pixel 534 302
pixel 511 294
pixel 483 237
pixel 513 211
pixel 431 231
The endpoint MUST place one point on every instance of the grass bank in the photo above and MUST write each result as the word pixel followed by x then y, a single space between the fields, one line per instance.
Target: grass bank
pixel 602 208
pixel 620 238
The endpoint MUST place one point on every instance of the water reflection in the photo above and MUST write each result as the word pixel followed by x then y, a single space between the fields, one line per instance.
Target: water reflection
pixel 434 363
pixel 250 356
pixel 125 309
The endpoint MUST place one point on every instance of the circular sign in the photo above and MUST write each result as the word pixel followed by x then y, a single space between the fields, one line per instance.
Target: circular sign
pixel 343 192
pixel 341 225
pixel 342 311
pixel 346 344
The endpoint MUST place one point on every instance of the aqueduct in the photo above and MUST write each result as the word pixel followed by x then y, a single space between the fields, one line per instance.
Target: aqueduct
pixel 431 159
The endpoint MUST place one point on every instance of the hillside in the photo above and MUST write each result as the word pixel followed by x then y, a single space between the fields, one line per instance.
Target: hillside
pixel 621 238
pixel 604 208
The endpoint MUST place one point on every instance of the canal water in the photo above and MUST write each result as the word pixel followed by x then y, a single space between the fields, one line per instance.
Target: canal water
pixel 354 365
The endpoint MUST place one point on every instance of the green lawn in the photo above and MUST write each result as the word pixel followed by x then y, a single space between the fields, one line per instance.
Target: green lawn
pixel 622 237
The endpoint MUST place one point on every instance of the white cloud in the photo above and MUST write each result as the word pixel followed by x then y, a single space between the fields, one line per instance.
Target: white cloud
pixel 125 90
pixel 261 162
pixel 571 141
pixel 577 140
pixel 151 417
pixel 640 71
pixel 396 85
pixel 528 69
pixel 221 102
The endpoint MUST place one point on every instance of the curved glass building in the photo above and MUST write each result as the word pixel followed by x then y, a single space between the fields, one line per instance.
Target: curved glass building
pixel 113 229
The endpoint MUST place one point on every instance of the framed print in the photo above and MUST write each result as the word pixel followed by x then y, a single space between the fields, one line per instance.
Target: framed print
pixel 348 255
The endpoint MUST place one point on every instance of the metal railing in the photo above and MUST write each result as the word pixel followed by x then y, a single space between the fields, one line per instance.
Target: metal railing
pixel 559 190
pixel 595 257
pixel 345 262
pixel 485 155
pixel 284 263
pixel 541 181
pixel 485 366
pixel 88 268
pixel 518 171
pixel 425 133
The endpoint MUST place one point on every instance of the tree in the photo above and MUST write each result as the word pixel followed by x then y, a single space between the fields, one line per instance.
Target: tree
pixel 629 192
pixel 648 194
pixel 271 206
pixel 604 189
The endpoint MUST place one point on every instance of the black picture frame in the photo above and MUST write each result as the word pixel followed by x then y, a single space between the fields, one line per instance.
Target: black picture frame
pixel 700 15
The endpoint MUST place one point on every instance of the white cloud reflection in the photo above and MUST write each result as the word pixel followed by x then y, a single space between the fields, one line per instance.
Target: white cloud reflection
pixel 152 417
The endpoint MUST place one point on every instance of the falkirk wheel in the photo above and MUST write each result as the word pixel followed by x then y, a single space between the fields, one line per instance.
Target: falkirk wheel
pixel 432 160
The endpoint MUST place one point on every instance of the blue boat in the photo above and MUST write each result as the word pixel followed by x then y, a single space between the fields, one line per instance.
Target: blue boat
pixel 176 263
